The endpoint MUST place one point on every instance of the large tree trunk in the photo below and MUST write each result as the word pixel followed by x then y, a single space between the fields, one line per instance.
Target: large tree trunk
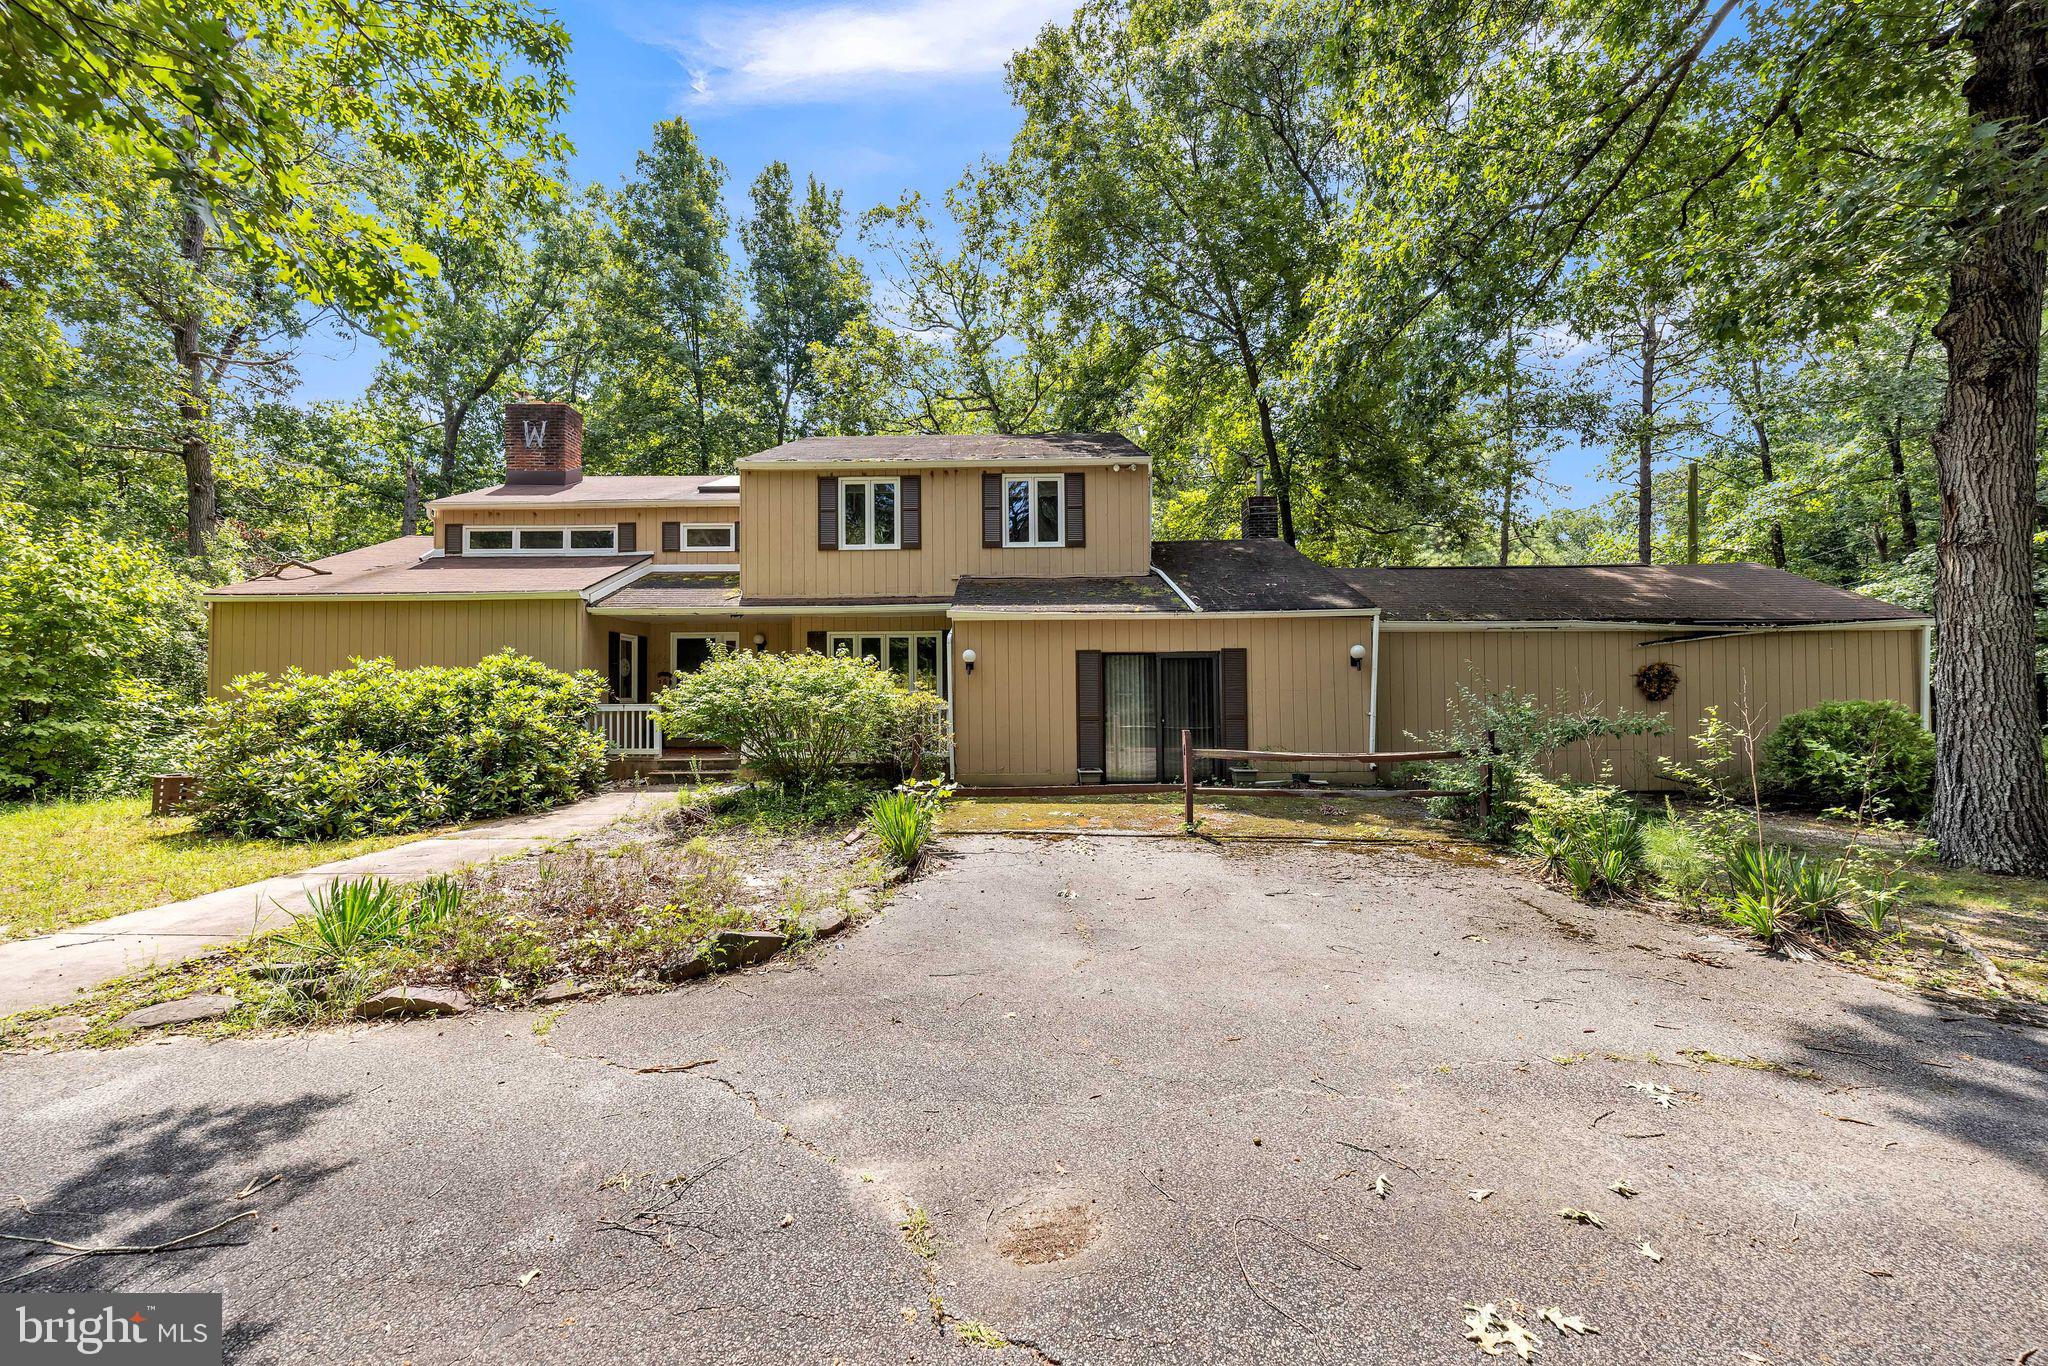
pixel 1990 802
pixel 195 406
pixel 1895 446
pixel 1276 470
pixel 1509 458
pixel 1646 417
pixel 1763 455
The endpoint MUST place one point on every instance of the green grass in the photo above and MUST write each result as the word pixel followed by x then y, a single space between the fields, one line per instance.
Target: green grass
pixel 69 862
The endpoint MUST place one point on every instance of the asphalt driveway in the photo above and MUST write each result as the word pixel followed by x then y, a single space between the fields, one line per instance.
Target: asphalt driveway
pixel 1131 1099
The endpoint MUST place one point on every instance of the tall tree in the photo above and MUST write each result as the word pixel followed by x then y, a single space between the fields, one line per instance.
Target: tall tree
pixel 804 291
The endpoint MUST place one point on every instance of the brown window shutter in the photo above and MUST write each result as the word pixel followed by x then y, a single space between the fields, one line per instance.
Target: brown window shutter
pixel 913 512
pixel 671 538
pixel 828 512
pixel 1088 716
pixel 814 641
pixel 992 511
pixel 451 538
pixel 1077 509
pixel 646 688
pixel 629 536
pixel 611 662
pixel 1235 721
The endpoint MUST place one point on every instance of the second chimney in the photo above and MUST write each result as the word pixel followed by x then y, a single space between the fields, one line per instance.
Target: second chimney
pixel 1261 521
pixel 543 443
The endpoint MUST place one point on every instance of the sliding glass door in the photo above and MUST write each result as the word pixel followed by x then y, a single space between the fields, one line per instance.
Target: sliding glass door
pixel 1147 701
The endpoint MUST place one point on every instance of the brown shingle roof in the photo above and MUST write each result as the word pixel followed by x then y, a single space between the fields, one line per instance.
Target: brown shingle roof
pixel 599 490
pixel 1739 594
pixel 669 592
pixel 1259 575
pixel 974 449
pixel 1131 593
pixel 395 567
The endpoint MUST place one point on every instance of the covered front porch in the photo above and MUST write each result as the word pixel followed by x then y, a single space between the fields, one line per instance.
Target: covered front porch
pixel 642 650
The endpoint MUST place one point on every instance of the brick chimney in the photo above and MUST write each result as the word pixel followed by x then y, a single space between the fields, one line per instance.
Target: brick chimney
pixel 543 443
pixel 1261 520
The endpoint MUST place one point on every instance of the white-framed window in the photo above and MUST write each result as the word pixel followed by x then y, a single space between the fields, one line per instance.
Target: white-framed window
pixel 1034 510
pixel 708 535
pixel 870 514
pixel 916 657
pixel 540 540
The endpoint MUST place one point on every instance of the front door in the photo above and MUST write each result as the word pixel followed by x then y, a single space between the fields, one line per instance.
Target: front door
pixel 1147 701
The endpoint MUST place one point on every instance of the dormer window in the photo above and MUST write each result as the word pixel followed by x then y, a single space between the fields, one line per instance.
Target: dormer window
pixel 540 540
pixel 1034 510
pixel 867 514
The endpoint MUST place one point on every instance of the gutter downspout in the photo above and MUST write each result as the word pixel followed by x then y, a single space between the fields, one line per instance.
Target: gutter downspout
pixel 1927 677
pixel 1372 696
pixel 952 729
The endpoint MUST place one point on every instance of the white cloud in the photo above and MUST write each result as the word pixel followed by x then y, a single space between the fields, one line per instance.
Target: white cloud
pixel 795 54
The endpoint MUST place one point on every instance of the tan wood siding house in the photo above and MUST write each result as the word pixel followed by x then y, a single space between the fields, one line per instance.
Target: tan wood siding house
pixel 1017 576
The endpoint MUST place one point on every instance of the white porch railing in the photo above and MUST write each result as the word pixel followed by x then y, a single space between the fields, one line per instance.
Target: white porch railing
pixel 628 727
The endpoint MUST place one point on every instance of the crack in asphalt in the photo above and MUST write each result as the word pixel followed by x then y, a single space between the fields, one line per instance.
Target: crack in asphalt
pixel 942 1317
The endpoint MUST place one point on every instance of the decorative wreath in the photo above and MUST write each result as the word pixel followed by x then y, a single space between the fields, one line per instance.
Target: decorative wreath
pixel 1657 681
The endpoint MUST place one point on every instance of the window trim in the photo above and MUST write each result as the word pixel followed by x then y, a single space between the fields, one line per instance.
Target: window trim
pixel 610 529
pixel 1059 483
pixel 851 639
pixel 867 483
pixel 731 530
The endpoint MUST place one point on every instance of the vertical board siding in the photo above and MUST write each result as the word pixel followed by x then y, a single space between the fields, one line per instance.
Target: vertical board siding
pixel 1016 716
pixel 1772 673
pixel 780 558
pixel 320 637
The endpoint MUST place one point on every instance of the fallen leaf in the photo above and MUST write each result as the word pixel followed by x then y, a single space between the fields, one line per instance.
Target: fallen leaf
pixel 787 1219
pixel 1581 1216
pixel 1652 1253
pixel 1624 1190
pixel 1519 1338
pixel 1656 1091
pixel 1380 1186
pixel 1479 1194
pixel 527 1279
pixel 1568 1324
pixel 909 1312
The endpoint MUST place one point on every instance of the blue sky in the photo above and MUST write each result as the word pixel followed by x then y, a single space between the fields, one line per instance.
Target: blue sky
pixel 873 98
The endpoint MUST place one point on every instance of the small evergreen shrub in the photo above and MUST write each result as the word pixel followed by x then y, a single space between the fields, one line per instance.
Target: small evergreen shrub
pixel 1868 757
pixel 373 749
pixel 797 720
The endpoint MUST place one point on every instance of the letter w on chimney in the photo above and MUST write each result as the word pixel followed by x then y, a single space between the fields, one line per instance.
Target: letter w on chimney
pixel 536 433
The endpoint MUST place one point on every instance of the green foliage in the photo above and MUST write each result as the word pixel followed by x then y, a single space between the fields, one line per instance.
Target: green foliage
pixel 826 804
pixel 1527 734
pixel 1867 757
pixel 374 748
pixel 101 658
pixel 798 719
pixel 903 824
pixel 1590 836
pixel 350 917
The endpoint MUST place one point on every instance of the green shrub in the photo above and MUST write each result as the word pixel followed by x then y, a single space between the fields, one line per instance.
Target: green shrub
pixel 1590 836
pixel 800 719
pixel 1867 757
pixel 348 918
pixel 1526 734
pixel 375 749
pixel 102 658
pixel 1678 858
pixel 790 810
pixel 903 823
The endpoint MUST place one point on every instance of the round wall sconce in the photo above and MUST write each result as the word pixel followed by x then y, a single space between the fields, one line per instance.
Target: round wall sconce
pixel 759 640
pixel 1358 656
pixel 967 658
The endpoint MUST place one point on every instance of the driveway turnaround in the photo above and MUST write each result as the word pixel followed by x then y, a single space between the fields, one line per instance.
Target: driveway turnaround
pixel 1102 1101
pixel 54 967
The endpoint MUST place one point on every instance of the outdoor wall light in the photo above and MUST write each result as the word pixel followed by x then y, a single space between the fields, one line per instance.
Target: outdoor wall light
pixel 759 640
pixel 967 658
pixel 1358 656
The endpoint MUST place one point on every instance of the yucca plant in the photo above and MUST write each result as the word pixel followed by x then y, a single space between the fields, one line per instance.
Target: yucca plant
pixel 435 901
pixel 903 824
pixel 350 916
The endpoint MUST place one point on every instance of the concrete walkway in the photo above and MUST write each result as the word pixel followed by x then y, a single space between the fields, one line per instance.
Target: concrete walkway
pixel 54 967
